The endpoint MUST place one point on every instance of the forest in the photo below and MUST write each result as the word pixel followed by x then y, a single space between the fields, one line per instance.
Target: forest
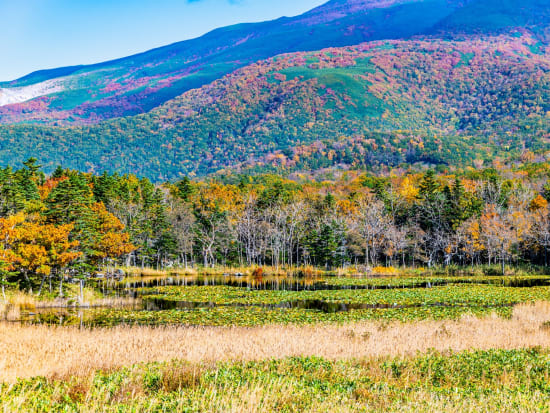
pixel 71 224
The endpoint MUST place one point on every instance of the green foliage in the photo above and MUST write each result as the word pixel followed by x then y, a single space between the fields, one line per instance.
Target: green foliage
pixel 479 380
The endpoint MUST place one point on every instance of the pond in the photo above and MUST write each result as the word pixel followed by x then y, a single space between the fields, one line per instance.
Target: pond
pixel 233 300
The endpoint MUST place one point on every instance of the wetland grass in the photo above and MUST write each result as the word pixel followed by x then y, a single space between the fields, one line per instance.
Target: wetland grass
pixel 27 351
pixel 486 380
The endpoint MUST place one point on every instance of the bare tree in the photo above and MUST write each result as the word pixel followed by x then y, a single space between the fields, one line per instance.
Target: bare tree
pixel 182 222
pixel 371 223
pixel 540 231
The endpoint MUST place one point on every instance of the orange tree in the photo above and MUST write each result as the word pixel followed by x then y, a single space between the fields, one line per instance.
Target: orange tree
pixel 110 240
pixel 8 258
pixel 45 250
pixel 99 233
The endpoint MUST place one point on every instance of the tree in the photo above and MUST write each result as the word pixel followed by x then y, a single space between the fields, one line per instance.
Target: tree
pixel 540 230
pixel 497 234
pixel 45 248
pixel 182 223
pixel 185 189
pixel 8 257
pixel 215 210
pixel 68 201
pixel 109 237
pixel 371 223
pixel 252 229
pixel 469 238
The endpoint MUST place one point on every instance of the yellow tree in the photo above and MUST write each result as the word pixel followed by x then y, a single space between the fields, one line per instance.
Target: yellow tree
pixel 110 239
pixel 8 258
pixel 469 236
pixel 501 231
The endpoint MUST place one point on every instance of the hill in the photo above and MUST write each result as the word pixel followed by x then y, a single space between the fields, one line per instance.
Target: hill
pixel 137 84
pixel 372 105
pixel 494 16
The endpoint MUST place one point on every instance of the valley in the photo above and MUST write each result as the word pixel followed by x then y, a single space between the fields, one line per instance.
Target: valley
pixel 344 210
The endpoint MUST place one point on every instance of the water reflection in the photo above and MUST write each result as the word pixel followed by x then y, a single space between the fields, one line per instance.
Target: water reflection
pixel 131 288
pixel 127 288
pixel 159 304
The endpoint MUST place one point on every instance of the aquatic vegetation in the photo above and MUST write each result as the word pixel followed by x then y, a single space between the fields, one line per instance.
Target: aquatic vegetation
pixel 243 301
pixel 257 316
pixel 451 294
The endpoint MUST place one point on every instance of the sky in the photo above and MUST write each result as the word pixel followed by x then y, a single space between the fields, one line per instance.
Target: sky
pixel 44 34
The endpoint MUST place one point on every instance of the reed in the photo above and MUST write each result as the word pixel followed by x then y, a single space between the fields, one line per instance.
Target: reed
pixel 27 351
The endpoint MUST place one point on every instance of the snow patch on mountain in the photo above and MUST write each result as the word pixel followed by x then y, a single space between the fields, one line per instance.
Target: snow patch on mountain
pixel 9 96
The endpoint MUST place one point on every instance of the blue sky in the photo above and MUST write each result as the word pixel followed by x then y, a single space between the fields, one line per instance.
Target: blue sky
pixel 42 34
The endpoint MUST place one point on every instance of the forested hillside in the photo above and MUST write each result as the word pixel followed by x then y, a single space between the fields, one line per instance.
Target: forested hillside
pixel 139 83
pixel 376 104
pixel 136 84
pixel 483 16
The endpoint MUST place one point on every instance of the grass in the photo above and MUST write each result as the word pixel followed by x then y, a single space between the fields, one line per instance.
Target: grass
pixel 27 350
pixel 492 380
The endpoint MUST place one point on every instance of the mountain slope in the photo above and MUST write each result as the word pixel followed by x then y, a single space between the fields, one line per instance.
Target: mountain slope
pixel 493 16
pixel 375 104
pixel 137 84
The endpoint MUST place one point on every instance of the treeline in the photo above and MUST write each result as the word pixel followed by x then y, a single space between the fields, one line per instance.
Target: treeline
pixel 493 216
pixel 72 223
pixel 53 228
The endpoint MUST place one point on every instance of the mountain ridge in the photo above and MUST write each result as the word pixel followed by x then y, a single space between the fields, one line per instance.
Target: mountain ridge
pixel 372 105
pixel 138 83
pixel 455 98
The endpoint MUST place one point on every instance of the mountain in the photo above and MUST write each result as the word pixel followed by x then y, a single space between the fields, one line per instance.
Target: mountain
pixel 137 84
pixel 438 82
pixel 494 16
pixel 373 105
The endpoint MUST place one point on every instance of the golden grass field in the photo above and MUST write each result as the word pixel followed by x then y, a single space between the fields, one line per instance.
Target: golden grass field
pixel 58 352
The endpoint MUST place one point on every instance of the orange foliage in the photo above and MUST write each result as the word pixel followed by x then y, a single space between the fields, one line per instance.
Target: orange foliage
pixel 112 242
pixel 538 203
pixel 48 186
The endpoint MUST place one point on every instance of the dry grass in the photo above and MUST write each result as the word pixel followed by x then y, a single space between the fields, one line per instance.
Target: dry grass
pixel 151 272
pixel 27 351
pixel 22 300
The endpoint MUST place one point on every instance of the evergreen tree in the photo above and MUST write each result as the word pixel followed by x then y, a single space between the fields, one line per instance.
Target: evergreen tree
pixel 28 179
pixel 428 187
pixel 67 202
pixel 12 195
pixel 185 189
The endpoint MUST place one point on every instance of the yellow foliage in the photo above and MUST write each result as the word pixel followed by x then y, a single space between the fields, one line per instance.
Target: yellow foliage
pixel 384 271
pixel 407 190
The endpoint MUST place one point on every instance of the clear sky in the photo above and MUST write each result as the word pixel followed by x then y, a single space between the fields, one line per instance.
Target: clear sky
pixel 43 34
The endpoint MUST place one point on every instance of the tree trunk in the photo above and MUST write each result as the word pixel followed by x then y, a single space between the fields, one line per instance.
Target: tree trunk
pixel 61 285
pixel 41 285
